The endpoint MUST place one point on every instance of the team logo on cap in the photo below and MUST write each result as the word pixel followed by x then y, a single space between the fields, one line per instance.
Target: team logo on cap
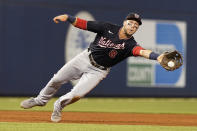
pixel 136 16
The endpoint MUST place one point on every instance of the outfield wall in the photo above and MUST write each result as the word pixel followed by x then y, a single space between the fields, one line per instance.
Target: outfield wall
pixel 33 48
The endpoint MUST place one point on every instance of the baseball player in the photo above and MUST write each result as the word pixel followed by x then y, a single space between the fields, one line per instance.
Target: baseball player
pixel 112 44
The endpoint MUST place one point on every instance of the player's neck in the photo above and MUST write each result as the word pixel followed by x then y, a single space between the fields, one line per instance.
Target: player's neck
pixel 123 35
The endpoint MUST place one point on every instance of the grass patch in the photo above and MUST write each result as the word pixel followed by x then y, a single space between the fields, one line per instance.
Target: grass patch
pixel 128 105
pixel 5 126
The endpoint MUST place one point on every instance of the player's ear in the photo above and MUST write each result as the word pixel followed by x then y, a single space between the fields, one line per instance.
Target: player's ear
pixel 124 23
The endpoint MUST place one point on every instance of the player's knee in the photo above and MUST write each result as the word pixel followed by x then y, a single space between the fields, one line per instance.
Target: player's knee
pixel 74 99
pixel 69 98
pixel 79 94
pixel 57 81
pixel 75 96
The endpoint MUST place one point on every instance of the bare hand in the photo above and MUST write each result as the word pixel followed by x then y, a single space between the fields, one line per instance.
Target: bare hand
pixel 159 58
pixel 62 18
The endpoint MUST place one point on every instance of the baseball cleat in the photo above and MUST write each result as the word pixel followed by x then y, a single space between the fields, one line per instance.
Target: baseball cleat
pixel 56 115
pixel 29 103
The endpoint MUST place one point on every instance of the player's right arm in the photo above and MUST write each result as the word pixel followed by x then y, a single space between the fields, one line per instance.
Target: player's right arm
pixel 93 26
pixel 62 18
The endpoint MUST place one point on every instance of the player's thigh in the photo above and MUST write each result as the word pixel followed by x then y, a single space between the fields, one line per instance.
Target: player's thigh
pixel 87 82
pixel 70 71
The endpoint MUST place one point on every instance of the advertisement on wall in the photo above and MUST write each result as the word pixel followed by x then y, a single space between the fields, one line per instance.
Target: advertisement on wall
pixel 159 36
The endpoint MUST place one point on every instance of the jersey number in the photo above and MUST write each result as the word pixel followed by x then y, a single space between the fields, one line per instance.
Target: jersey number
pixel 112 54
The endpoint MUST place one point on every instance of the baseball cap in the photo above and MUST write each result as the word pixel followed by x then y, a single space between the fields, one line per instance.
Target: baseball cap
pixel 134 16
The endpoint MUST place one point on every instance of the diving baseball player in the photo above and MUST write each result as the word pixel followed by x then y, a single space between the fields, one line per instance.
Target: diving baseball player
pixel 112 44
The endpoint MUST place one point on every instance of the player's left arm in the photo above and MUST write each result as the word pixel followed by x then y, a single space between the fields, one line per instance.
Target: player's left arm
pixel 148 54
pixel 151 55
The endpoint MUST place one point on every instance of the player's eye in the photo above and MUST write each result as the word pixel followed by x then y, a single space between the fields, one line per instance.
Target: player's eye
pixel 130 24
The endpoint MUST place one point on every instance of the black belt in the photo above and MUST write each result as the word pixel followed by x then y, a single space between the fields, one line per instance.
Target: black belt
pixel 95 64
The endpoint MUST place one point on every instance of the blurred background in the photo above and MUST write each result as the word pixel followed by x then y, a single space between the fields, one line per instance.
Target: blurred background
pixel 33 48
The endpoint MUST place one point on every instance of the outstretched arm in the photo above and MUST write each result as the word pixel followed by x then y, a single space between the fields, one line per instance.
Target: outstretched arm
pixel 94 26
pixel 168 60
pixel 151 55
pixel 77 22
pixel 139 51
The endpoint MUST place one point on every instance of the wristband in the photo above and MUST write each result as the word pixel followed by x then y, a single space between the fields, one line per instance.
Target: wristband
pixel 71 19
pixel 153 56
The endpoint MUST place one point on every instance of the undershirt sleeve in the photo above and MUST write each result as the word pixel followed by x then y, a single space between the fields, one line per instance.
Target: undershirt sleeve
pixel 136 50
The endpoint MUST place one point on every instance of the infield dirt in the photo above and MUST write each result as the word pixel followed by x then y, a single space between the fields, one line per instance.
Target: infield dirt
pixel 102 118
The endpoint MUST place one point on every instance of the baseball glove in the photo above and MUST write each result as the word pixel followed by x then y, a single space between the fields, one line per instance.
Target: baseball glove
pixel 171 60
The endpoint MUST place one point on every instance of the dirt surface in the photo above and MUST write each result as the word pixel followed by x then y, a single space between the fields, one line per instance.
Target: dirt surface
pixel 102 118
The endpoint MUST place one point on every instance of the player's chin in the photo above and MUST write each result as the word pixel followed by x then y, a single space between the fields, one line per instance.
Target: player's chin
pixel 130 32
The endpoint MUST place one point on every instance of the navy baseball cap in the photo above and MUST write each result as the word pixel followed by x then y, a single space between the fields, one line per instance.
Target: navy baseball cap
pixel 134 16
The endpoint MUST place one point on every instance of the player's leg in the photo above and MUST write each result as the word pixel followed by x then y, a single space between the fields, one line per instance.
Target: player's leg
pixel 68 72
pixel 87 82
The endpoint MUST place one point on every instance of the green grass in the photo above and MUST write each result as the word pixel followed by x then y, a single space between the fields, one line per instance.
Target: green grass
pixel 5 126
pixel 129 105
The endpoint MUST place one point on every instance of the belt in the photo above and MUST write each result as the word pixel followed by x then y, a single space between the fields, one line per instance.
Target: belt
pixel 95 64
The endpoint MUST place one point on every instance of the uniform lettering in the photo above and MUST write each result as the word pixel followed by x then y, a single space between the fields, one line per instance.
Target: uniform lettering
pixel 103 42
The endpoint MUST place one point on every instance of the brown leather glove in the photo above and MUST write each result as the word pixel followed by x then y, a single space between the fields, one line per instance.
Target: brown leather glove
pixel 174 57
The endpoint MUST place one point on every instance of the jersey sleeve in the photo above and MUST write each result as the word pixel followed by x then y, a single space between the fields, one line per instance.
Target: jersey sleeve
pixel 80 23
pixel 136 50
pixel 95 26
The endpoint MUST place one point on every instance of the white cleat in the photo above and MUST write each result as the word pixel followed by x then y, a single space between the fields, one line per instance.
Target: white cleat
pixel 56 116
pixel 29 103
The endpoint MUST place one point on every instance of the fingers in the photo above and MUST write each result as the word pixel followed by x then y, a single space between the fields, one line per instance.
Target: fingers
pixel 61 18
pixel 56 20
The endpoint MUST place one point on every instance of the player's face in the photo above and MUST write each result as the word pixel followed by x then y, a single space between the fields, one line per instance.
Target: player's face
pixel 130 27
